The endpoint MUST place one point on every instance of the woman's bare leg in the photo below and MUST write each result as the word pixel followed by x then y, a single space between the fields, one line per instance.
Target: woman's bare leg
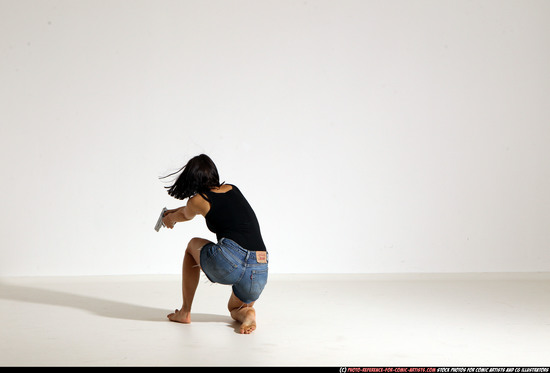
pixel 243 313
pixel 190 280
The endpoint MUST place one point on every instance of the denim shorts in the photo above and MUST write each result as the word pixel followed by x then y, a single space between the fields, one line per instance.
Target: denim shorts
pixel 228 263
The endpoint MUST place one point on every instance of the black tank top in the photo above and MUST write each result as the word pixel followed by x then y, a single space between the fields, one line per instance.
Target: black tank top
pixel 231 216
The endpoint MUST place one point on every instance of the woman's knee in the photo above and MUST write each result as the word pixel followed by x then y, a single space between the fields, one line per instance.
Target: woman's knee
pixel 194 247
pixel 197 243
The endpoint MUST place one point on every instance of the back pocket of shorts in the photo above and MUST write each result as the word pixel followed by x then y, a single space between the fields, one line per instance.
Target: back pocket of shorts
pixel 219 268
pixel 258 281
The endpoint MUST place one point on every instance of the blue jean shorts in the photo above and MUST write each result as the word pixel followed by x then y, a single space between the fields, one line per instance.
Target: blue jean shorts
pixel 228 263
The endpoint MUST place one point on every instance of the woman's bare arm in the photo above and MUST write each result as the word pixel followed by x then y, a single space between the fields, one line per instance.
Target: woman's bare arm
pixel 194 207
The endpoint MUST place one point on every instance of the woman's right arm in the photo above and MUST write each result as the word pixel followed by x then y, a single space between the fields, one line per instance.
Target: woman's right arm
pixel 193 208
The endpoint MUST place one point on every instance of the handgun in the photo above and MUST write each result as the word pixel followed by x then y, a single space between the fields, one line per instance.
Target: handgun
pixel 159 221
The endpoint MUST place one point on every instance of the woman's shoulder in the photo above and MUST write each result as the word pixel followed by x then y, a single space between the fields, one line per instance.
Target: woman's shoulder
pixel 199 203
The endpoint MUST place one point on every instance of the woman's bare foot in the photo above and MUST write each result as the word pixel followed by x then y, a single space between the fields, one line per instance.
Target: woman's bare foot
pixel 248 321
pixel 180 316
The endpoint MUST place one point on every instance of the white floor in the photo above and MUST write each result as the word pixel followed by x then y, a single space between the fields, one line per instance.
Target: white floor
pixel 303 320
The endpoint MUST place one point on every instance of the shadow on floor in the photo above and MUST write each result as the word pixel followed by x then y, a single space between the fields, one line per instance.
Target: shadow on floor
pixel 98 306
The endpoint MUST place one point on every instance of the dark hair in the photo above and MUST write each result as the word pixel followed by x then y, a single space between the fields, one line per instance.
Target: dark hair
pixel 199 176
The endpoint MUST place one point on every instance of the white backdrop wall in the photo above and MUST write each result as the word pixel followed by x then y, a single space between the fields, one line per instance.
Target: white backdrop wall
pixel 369 136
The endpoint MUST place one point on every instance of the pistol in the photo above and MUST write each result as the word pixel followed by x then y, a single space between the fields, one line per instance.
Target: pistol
pixel 159 221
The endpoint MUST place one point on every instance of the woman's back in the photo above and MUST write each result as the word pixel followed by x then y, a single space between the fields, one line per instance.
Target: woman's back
pixel 231 216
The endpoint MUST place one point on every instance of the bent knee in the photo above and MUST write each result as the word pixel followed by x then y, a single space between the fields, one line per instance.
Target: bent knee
pixel 196 243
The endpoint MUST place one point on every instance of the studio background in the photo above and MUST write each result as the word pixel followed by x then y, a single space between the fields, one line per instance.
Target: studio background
pixel 369 136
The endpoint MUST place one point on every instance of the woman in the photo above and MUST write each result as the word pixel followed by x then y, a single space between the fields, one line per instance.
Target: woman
pixel 239 258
